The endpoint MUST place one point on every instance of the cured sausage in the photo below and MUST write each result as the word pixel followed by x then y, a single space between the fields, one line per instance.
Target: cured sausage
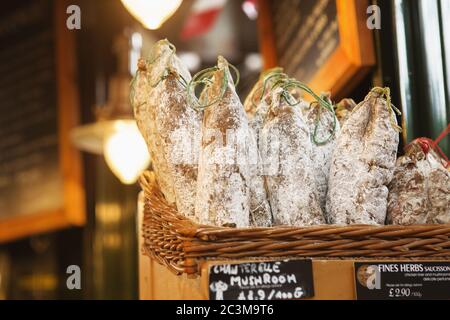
pixel 324 129
pixel 363 162
pixel 256 105
pixel 286 149
pixel 169 126
pixel 419 193
pixel 223 191
pixel 255 96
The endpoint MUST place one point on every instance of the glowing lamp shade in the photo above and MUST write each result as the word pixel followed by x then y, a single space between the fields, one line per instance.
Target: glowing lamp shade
pixel 151 13
pixel 125 152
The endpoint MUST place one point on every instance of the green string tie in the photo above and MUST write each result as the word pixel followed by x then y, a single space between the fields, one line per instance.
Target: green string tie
pixel 271 75
pixel 289 83
pixel 204 77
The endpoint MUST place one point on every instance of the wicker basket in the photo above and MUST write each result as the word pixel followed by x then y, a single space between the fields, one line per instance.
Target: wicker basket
pixel 180 244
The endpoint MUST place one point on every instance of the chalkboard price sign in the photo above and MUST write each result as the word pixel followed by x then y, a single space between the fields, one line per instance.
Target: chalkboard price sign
pixel 262 280
pixel 413 280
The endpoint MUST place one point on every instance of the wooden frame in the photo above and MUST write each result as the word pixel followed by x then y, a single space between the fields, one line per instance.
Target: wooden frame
pixel 73 211
pixel 348 64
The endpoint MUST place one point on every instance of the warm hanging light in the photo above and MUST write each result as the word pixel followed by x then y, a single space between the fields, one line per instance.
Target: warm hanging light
pixel 151 13
pixel 125 151
pixel 120 142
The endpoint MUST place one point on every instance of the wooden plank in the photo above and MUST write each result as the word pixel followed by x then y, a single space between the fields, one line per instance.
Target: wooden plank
pixel 21 226
pixel 266 35
pixel 68 105
pixel 168 286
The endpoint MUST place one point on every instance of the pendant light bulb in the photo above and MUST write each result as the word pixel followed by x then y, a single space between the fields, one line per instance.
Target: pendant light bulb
pixel 152 13
pixel 125 152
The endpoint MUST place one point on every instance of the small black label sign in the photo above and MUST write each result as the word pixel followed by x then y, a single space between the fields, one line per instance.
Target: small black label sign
pixel 261 280
pixel 402 280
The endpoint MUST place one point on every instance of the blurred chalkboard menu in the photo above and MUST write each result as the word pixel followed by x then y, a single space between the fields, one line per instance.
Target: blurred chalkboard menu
pixel 30 175
pixel 306 35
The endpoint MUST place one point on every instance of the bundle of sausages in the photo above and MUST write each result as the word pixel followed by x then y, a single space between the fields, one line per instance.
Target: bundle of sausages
pixel 277 159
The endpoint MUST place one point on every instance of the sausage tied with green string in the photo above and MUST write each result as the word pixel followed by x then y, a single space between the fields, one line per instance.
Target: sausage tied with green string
pixel 170 127
pixel 322 122
pixel 286 150
pixel 223 186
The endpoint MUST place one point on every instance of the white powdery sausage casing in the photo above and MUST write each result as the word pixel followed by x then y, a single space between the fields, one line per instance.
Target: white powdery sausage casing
pixel 145 116
pixel 327 129
pixel 419 193
pixel 260 212
pixel 171 128
pixel 286 151
pixel 363 164
pixel 223 187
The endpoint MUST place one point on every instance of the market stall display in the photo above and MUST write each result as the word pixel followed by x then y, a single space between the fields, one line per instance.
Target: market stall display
pixel 303 153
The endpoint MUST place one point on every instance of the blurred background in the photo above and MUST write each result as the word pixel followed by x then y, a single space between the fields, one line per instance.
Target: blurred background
pixel 70 153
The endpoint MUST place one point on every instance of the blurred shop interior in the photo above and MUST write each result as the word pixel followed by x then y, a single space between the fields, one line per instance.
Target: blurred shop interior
pixel 70 153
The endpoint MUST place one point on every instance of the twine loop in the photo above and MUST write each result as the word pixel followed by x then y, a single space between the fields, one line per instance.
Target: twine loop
pixel 289 83
pixel 274 75
pixel 204 77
